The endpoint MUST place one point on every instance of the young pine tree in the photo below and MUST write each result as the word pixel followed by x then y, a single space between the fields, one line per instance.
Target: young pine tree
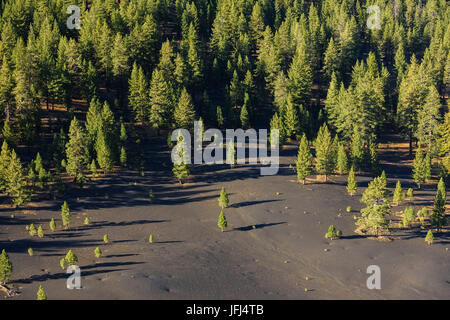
pixel 76 150
pixel 16 181
pixel 438 216
pixel 223 198
pixel 333 233
pixel 373 216
pixel 351 183
pixel 123 157
pixel 304 160
pixel 429 239
pixel 324 152
pixel 419 168
pixel 98 252
pixel 184 112
pixel 41 294
pixel 222 221
pixel 342 160
pixel 65 215
pixel 6 267
pixel 398 194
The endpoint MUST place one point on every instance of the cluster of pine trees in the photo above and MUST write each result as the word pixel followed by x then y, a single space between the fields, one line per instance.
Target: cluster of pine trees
pixel 293 65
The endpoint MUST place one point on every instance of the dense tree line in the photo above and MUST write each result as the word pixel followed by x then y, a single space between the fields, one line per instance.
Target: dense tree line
pixel 292 65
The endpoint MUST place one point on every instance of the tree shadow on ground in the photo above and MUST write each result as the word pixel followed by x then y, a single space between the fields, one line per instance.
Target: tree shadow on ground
pixel 258 226
pixel 251 203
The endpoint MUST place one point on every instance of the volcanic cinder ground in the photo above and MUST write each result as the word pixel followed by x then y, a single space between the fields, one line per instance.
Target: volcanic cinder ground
pixel 273 248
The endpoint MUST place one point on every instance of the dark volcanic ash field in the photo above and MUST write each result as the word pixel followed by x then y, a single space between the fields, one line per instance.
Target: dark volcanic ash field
pixel 273 248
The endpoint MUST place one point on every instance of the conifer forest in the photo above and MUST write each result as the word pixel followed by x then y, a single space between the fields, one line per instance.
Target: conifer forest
pixel 353 95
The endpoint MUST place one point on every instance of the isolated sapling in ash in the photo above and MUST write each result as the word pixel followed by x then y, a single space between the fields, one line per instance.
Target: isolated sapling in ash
pixel 222 222
pixel 223 198
pixel 41 294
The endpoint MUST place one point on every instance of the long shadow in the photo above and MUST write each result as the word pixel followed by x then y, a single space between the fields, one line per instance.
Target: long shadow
pixel 251 203
pixel 354 236
pixel 258 226
pixel 101 224
pixel 22 245
pixel 61 275
pixel 169 242
pixel 121 255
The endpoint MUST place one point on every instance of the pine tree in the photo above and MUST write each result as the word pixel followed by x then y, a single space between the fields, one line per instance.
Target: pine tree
pixel 71 258
pixel 76 150
pixel 41 294
pixel 103 150
pixel 429 239
pixel 150 239
pixel 245 123
pixel 40 232
pixel 410 194
pixel 331 59
pixel 373 216
pixel 408 217
pixel 160 100
pixel 300 77
pixel 6 267
pixel 277 123
pixel 398 194
pixel 324 152
pixel 428 119
pixel 223 198
pixel 342 161
pixel 219 117
pixel 222 221
pixel 357 150
pixel 32 230
pixel 181 170
pixel 304 160
pixel 65 215
pixel 123 157
pixel 351 184
pixel 185 112
pixel 30 252
pixel 52 225
pixel 138 94
pixel 105 238
pixel 93 168
pixel 445 142
pixel 438 218
pixel 231 154
pixel 291 123
pixel 419 168
pixel 97 252
pixel 16 181
pixel 333 233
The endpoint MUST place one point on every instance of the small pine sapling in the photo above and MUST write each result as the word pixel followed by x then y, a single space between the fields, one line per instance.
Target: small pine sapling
pixel 429 239
pixel 40 232
pixel 223 199
pixel 333 233
pixel 52 225
pixel 98 252
pixel 398 194
pixel 222 222
pixel 106 238
pixel 30 252
pixel 41 294
pixel 351 184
